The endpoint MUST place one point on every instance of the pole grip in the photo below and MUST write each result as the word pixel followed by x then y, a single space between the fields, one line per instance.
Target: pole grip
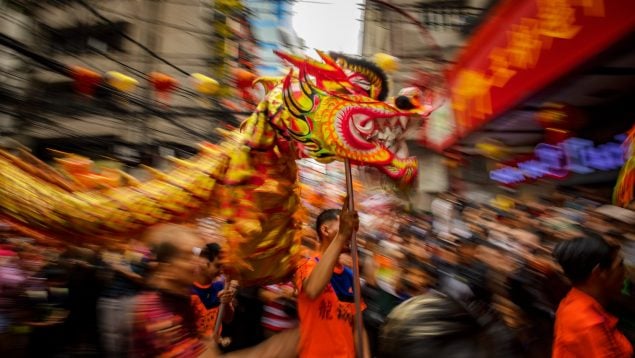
pixel 357 294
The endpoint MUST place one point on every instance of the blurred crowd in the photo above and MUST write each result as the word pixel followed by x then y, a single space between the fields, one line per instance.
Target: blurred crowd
pixel 500 257
pixel 69 300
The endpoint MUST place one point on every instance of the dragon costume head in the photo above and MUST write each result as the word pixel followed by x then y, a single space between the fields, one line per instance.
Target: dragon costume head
pixel 337 108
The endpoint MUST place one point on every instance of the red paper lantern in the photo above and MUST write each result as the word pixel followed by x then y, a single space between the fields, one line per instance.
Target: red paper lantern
pixel 85 80
pixel 163 84
pixel 243 78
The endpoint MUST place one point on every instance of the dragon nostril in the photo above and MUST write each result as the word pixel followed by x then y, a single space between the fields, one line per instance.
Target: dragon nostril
pixel 403 102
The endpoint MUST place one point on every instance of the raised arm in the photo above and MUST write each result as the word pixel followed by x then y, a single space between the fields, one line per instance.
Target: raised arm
pixel 321 274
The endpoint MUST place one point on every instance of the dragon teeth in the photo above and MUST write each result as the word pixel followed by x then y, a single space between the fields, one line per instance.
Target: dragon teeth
pixel 403 121
pixel 381 122
pixel 393 122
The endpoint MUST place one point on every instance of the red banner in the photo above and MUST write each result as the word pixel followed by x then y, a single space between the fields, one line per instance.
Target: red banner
pixel 526 45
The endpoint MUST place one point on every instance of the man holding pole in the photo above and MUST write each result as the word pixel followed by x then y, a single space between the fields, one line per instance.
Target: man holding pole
pixel 209 293
pixel 326 292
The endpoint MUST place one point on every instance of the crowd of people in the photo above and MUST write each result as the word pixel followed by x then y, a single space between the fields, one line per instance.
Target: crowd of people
pixel 532 279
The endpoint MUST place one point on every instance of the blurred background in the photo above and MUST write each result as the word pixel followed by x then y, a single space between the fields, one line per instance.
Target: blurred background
pixel 527 84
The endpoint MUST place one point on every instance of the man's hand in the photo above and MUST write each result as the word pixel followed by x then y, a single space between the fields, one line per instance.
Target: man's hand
pixel 349 221
pixel 227 295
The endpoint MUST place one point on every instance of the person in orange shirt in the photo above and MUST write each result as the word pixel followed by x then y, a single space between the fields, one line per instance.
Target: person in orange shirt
pixel 583 327
pixel 209 292
pixel 325 301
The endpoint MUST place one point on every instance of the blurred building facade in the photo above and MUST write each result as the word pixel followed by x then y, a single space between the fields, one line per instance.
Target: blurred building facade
pixel 272 27
pixel 521 77
pixel 429 46
pixel 44 110
pixel 556 108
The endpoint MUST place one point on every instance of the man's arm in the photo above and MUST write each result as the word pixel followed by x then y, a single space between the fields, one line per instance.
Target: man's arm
pixel 321 274
pixel 128 273
pixel 227 297
pixel 601 340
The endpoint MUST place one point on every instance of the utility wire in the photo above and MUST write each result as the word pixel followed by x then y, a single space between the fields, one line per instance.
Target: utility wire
pixel 124 35
pixel 62 69
pixel 42 60
pixel 186 93
pixel 190 30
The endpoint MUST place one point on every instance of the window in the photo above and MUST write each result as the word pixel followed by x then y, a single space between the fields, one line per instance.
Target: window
pixel 82 38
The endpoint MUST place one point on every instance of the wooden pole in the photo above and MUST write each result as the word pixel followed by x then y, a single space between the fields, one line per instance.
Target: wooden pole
pixel 359 342
pixel 221 312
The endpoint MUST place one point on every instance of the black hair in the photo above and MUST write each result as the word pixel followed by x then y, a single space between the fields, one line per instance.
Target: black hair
pixel 405 230
pixel 436 325
pixel 326 215
pixel 579 256
pixel 164 251
pixel 472 240
pixel 211 251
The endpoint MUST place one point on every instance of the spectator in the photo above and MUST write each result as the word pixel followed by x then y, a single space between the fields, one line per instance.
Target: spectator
pixel 126 278
pixel 208 292
pixel 583 327
pixel 280 309
pixel 435 325
pixel 164 322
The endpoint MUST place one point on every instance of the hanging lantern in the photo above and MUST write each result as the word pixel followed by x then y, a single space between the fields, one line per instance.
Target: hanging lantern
pixel 491 148
pixel 243 78
pixel 561 116
pixel 121 82
pixel 163 84
pixel 503 202
pixel 386 62
pixel 205 85
pixel 85 80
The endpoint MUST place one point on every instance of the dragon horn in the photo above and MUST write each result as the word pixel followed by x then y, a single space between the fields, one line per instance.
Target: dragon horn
pixel 327 58
pixel 327 68
pixel 294 105
pixel 329 61
pixel 306 84
pixel 268 83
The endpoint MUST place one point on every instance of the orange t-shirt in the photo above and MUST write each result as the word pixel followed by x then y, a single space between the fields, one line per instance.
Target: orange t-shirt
pixel 206 304
pixel 584 329
pixel 326 323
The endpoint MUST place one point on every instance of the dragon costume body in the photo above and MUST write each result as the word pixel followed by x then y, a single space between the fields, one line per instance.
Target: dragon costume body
pixel 328 110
